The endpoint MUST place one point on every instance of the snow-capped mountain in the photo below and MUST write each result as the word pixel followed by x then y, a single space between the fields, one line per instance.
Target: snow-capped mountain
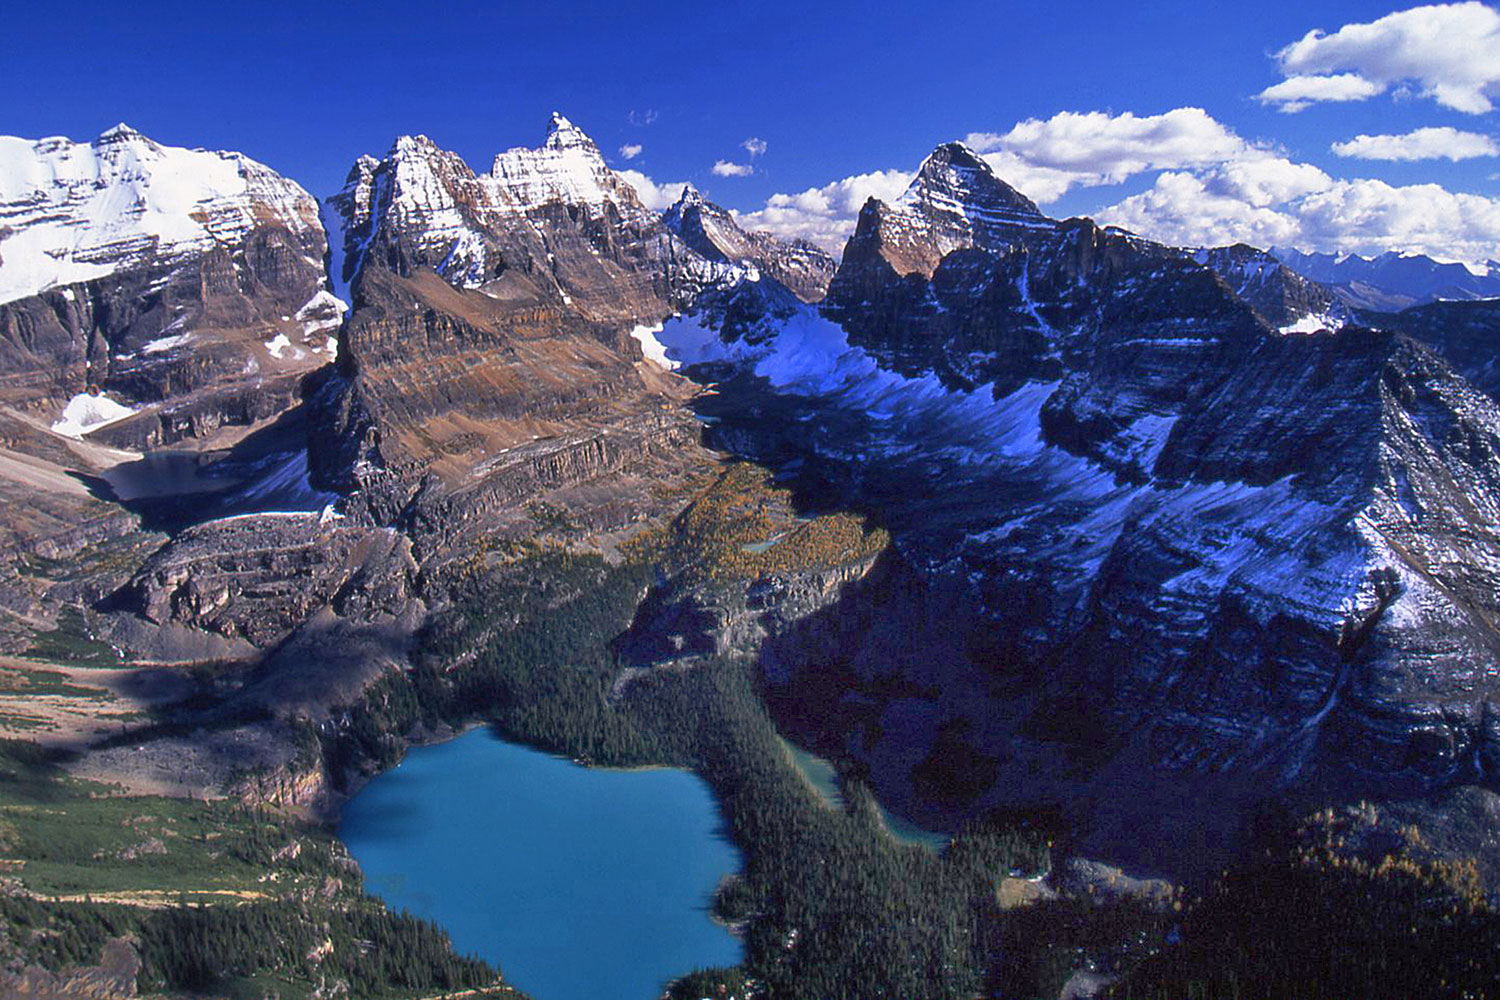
pixel 553 224
pixel 183 286
pixel 76 211
pixel 713 232
pixel 1167 522
pixel 1392 280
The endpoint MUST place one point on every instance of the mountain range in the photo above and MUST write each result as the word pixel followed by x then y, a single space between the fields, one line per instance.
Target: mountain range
pixel 1169 534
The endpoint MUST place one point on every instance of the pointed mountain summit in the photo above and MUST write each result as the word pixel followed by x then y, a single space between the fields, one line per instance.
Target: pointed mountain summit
pixel 120 132
pixel 563 134
pixel 712 231
pixel 956 179
pixel 568 168
pixel 551 224
pixel 954 202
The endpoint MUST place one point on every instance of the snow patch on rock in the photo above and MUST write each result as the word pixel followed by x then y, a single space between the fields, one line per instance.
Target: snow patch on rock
pixel 163 344
pixel 85 413
pixel 1315 323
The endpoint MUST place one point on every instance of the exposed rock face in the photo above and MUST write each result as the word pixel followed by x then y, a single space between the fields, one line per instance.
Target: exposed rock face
pixel 1465 334
pixel 712 232
pixel 152 273
pixel 112 979
pixel 552 225
pixel 1284 298
pixel 447 404
pixel 1177 555
pixel 256 577
pixel 58 544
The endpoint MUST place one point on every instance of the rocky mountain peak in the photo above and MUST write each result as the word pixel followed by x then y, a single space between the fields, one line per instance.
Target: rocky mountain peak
pixel 955 202
pixel 548 224
pixel 411 145
pixel 568 168
pixel 563 134
pixel 361 171
pixel 954 177
pixel 120 133
pixel 712 231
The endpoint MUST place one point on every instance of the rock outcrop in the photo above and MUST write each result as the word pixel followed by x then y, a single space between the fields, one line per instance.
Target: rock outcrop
pixel 448 404
pixel 1284 298
pixel 1465 334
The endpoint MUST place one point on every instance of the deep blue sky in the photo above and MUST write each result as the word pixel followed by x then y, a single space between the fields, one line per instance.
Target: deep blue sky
pixel 834 89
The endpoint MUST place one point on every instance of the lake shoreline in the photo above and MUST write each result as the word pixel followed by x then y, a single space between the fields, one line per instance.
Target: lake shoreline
pixel 560 844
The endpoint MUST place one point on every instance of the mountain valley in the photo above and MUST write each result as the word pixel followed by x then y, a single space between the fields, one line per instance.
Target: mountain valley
pixel 1148 575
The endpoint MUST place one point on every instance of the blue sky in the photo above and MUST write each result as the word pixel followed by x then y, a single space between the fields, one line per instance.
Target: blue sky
pixel 835 91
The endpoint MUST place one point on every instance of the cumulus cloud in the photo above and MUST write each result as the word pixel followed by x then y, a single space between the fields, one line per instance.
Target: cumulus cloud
pixel 1211 187
pixel 652 195
pixel 1422 144
pixel 1190 210
pixel 1297 92
pixel 630 150
pixel 642 118
pixel 1045 158
pixel 1042 158
pixel 825 215
pixel 1310 210
pixel 723 168
pixel 1450 52
pixel 754 146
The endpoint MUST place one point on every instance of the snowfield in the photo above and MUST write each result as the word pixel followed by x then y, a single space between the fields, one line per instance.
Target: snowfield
pixel 86 413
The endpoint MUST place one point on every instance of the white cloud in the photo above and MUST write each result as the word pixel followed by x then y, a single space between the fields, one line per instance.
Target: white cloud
pixel 652 195
pixel 1042 185
pixel 1262 179
pixel 1314 212
pixel 1422 144
pixel 825 215
pixel 1182 208
pixel 1044 159
pixel 1450 51
pixel 642 118
pixel 1297 92
pixel 754 146
pixel 1212 187
pixel 724 168
pixel 630 150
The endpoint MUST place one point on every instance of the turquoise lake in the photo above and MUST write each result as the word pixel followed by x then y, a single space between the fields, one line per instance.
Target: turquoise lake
pixel 580 883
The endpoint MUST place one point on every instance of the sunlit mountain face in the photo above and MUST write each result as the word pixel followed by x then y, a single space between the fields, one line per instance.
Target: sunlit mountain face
pixel 1060 535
